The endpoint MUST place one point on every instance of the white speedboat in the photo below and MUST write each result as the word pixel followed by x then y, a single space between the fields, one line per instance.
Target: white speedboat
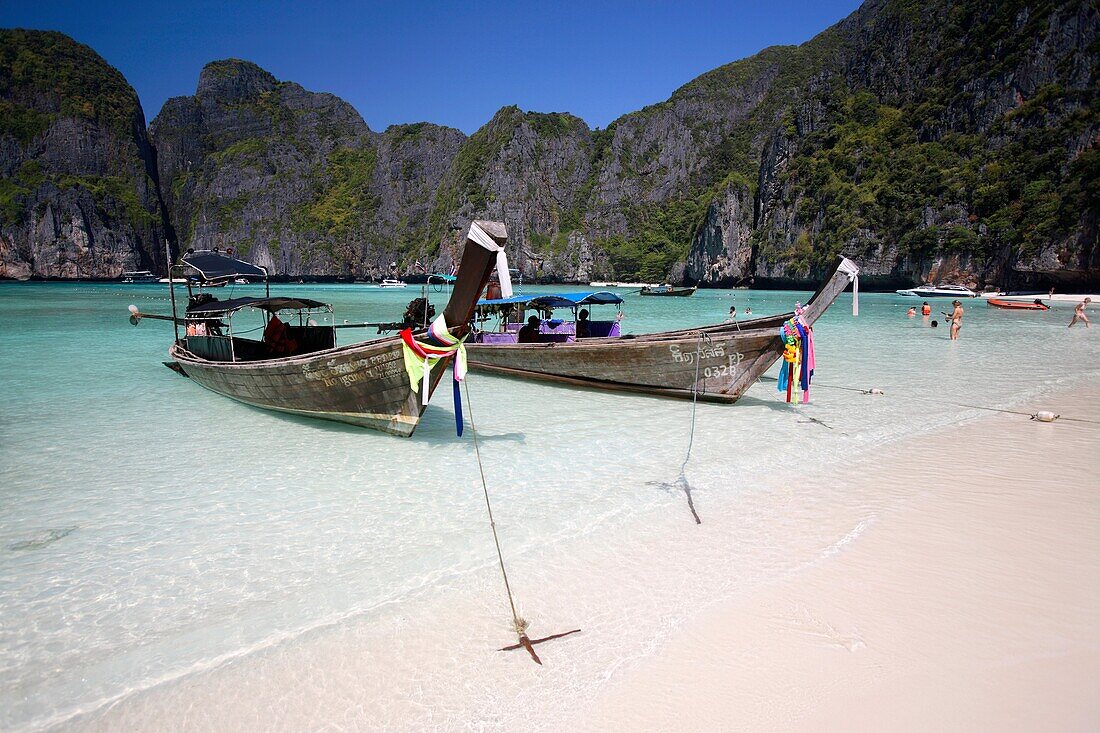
pixel 392 284
pixel 139 276
pixel 939 291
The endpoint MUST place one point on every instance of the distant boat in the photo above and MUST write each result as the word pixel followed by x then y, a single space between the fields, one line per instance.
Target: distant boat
pixel 667 290
pixel 620 285
pixel 1035 305
pixel 175 280
pixel 1029 297
pixel 392 284
pixel 939 291
pixel 139 276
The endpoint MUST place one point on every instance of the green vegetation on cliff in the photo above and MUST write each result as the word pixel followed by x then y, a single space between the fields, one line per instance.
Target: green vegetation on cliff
pixel 915 175
pixel 341 199
pixel 73 79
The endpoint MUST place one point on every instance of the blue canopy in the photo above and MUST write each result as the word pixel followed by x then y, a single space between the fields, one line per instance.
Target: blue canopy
pixel 558 300
pixel 573 300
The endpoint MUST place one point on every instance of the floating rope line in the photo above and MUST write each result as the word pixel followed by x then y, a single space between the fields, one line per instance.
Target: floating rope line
pixel 1032 415
pixel 519 624
pixel 681 482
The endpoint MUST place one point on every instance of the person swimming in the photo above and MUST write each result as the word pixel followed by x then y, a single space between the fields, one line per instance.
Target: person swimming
pixel 912 312
pixel 934 324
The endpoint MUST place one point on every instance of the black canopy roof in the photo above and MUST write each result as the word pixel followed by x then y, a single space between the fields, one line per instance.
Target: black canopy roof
pixel 213 265
pixel 268 304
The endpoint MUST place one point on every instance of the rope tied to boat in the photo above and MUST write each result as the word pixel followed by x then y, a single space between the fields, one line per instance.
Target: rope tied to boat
pixel 681 483
pixel 421 357
pixel 519 624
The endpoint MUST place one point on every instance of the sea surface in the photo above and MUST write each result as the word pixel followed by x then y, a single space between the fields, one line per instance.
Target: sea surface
pixel 157 539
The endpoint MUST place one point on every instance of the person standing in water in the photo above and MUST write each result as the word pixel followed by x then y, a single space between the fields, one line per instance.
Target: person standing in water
pixel 912 312
pixel 1079 313
pixel 956 319
pixel 926 310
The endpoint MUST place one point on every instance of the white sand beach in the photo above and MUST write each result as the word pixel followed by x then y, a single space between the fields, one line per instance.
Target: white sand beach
pixel 974 607
pixel 949 582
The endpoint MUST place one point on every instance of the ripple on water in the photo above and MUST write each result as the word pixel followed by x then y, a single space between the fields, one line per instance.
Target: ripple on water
pixel 208 530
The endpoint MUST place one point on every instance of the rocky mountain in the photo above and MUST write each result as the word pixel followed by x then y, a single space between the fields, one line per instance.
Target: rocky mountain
pixel 78 178
pixel 295 180
pixel 930 140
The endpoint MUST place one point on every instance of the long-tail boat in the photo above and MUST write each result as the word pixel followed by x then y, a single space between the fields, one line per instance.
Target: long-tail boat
pixel 298 369
pixel 715 363
pixel 667 291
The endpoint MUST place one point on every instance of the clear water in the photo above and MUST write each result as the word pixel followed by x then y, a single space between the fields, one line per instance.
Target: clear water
pixel 152 532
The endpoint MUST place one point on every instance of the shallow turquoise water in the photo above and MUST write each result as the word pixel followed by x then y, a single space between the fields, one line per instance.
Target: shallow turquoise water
pixel 149 528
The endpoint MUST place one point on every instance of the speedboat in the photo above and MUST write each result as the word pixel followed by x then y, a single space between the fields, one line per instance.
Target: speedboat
pixel 1034 305
pixel 139 276
pixel 392 284
pixel 939 291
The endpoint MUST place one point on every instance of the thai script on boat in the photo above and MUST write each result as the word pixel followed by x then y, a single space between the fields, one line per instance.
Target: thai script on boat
pixel 688 357
pixel 379 366
pixel 725 370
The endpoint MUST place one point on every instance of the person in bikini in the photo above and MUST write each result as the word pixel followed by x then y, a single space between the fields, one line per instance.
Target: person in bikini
pixel 1079 313
pixel 956 319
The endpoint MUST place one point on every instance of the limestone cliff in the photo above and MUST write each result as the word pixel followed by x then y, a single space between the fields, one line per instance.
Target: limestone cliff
pixel 294 179
pixel 78 185
pixel 943 140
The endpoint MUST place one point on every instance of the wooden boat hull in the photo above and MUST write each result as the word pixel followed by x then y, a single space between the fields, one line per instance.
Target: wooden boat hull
pixel 681 293
pixel 362 384
pixel 717 363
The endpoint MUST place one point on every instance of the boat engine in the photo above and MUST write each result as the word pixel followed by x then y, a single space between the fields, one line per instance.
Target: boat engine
pixel 419 313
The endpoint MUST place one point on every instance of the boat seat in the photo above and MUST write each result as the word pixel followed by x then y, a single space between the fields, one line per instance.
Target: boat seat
pixel 603 329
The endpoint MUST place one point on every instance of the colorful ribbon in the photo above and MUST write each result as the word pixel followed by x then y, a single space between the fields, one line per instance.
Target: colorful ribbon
pixel 797 369
pixel 422 356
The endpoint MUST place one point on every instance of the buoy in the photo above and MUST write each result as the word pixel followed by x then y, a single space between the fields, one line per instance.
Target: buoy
pixel 873 390
pixel 1045 416
pixel 133 309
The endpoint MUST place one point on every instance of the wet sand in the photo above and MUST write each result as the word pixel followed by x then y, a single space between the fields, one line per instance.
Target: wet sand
pixel 972 606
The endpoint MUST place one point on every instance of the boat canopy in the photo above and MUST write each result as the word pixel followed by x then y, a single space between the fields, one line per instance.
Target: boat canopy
pixel 213 265
pixel 557 300
pixel 268 304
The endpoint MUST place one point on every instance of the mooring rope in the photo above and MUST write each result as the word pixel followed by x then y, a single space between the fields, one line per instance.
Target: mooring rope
pixel 691 434
pixel 681 481
pixel 694 402
pixel 519 624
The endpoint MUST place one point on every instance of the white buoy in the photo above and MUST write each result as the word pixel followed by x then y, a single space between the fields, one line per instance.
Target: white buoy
pixel 134 309
pixel 1045 416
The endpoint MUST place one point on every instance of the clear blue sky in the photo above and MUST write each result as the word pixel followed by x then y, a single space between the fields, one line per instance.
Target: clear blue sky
pixel 452 63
